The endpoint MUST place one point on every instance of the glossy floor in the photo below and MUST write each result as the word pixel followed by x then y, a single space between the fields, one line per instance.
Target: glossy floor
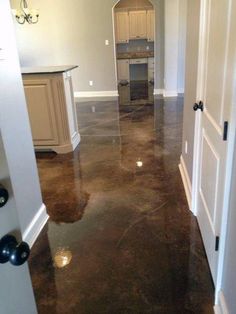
pixel 120 238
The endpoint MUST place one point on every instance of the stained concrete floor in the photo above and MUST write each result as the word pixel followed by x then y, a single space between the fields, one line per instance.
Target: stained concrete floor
pixel 120 238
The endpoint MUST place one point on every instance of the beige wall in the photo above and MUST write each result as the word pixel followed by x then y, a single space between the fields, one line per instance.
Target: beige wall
pixel 74 32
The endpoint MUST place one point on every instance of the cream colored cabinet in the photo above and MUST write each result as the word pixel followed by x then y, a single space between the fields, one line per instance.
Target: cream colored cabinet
pixel 123 70
pixel 42 112
pixel 51 109
pixel 151 69
pixel 122 27
pixel 150 25
pixel 138 24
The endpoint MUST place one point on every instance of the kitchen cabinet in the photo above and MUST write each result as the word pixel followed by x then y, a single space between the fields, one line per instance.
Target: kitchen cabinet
pixel 150 25
pixel 51 108
pixel 123 70
pixel 138 24
pixel 151 69
pixel 122 27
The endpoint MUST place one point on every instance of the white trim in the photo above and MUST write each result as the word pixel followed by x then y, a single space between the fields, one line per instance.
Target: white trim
pixel 170 93
pixel 158 91
pixel 36 225
pixel 186 182
pixel 221 307
pixel 110 93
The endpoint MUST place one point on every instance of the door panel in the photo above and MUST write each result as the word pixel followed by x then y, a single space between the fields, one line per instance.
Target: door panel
pixel 217 46
pixel 210 169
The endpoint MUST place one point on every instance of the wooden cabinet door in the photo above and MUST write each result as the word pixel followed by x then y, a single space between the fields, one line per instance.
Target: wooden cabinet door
pixel 122 27
pixel 41 111
pixel 123 70
pixel 138 24
pixel 150 25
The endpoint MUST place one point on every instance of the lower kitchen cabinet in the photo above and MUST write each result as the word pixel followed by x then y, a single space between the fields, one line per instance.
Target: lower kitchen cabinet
pixel 51 109
pixel 123 70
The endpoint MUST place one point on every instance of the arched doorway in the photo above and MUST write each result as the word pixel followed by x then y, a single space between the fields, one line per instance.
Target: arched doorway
pixel 134 40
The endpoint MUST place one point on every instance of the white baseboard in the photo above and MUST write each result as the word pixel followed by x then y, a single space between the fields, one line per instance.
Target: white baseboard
pixel 36 225
pixel 75 140
pixel 158 92
pixel 221 307
pixel 170 93
pixel 186 182
pixel 111 93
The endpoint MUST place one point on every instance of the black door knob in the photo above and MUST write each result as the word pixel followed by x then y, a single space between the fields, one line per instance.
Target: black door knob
pixel 13 252
pixel 3 196
pixel 197 106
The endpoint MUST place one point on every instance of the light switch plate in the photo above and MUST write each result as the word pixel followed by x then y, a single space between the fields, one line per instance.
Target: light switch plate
pixel 107 42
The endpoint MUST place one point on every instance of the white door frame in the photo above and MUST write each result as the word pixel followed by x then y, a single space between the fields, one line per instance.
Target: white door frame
pixel 230 149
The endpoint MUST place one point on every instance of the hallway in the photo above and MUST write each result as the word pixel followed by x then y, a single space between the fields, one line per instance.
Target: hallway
pixel 120 238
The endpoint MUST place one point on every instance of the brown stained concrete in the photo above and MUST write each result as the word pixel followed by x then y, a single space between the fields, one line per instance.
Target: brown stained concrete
pixel 120 238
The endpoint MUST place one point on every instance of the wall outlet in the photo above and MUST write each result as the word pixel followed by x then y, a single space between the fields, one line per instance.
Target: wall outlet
pixel 90 83
pixel 107 42
pixel 186 147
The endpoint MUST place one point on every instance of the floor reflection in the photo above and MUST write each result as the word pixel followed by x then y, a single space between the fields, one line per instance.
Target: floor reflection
pixel 119 222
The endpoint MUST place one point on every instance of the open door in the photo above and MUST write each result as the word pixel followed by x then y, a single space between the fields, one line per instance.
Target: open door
pixel 19 184
pixel 215 96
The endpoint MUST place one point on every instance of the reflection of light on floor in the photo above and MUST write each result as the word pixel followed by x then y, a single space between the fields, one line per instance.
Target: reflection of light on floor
pixel 139 163
pixel 62 258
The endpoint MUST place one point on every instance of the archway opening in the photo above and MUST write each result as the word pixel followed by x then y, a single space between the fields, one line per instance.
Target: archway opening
pixel 134 38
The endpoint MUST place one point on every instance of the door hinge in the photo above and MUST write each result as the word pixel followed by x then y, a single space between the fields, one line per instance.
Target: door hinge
pixel 226 127
pixel 217 244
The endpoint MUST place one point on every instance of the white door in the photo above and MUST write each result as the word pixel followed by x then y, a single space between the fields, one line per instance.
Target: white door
pixel 17 168
pixel 217 59
pixel 16 292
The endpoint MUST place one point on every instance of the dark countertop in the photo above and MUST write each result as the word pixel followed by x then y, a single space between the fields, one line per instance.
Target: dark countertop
pixel 134 55
pixel 47 69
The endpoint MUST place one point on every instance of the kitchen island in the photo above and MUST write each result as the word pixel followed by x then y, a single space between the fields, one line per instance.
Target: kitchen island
pixel 52 113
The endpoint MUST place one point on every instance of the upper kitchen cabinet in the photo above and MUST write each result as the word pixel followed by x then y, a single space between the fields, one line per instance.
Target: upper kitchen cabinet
pixel 150 25
pixel 138 24
pixel 122 27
